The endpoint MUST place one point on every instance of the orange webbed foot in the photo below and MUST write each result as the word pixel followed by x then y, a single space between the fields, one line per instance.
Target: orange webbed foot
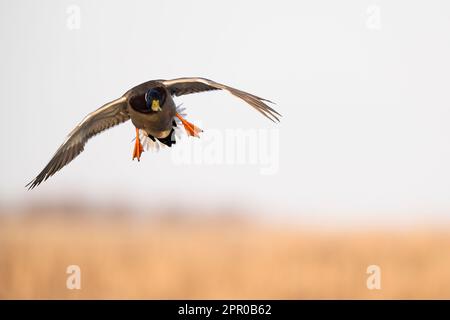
pixel 190 128
pixel 138 149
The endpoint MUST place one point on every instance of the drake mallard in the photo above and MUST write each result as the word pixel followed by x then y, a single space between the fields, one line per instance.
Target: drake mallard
pixel 152 110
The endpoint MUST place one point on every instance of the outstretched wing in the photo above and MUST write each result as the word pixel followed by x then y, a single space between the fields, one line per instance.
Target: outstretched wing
pixel 181 86
pixel 105 117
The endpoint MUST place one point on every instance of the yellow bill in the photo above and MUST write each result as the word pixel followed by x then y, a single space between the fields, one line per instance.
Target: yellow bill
pixel 155 105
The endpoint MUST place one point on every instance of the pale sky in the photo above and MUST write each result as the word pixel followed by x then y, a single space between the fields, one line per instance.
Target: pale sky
pixel 363 87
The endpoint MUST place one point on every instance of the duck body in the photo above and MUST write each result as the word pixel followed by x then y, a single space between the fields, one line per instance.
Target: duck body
pixel 157 124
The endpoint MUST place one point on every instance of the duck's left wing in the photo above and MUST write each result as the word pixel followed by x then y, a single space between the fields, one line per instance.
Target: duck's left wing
pixel 105 117
pixel 182 86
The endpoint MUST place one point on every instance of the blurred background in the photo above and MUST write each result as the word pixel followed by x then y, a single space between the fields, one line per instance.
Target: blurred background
pixel 356 173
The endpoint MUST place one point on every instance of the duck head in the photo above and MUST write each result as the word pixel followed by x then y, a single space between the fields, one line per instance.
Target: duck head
pixel 154 99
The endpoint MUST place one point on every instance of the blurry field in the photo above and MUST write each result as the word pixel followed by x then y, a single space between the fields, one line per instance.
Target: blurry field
pixel 200 257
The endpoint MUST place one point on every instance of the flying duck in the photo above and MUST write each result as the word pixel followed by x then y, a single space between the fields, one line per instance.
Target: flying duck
pixel 152 110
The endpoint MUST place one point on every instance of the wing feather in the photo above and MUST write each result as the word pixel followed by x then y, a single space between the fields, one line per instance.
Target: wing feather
pixel 182 86
pixel 107 116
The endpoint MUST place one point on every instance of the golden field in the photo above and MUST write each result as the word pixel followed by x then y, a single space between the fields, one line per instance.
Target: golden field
pixel 213 258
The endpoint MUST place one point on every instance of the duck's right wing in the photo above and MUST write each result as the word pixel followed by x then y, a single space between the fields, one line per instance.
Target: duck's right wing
pixel 107 116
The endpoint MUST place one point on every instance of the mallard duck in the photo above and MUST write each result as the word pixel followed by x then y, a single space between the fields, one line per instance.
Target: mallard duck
pixel 152 110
